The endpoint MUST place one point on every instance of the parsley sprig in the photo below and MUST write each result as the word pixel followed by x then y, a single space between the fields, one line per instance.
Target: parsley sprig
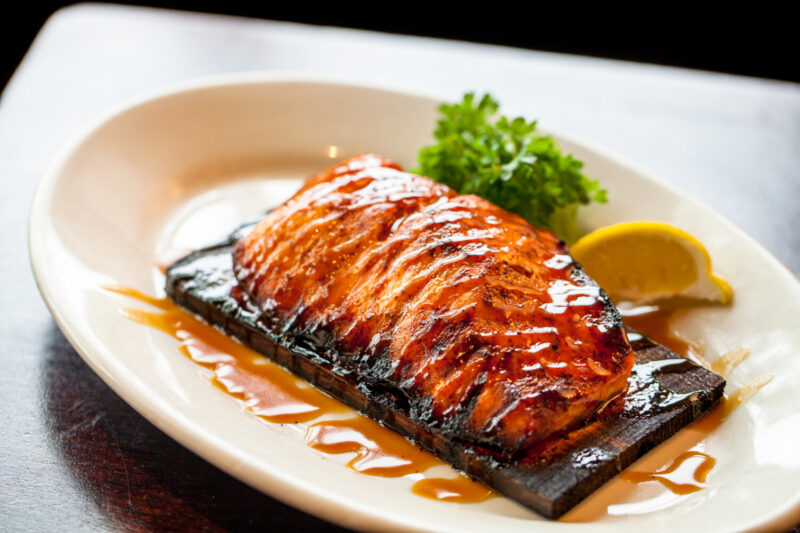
pixel 503 160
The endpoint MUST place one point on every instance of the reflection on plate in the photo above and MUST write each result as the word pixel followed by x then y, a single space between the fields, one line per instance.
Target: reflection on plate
pixel 180 169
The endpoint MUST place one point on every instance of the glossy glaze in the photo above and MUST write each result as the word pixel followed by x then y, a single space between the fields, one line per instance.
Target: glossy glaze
pixel 647 395
pixel 482 322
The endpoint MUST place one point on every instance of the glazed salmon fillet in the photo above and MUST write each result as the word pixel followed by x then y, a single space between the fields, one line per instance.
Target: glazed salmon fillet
pixel 480 321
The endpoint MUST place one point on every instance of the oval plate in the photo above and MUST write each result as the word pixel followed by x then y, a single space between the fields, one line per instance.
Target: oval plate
pixel 180 169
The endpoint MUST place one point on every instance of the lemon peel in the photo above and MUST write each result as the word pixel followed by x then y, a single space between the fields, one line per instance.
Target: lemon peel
pixel 643 262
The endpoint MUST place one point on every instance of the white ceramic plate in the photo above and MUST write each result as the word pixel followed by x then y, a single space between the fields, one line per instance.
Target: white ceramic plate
pixel 181 168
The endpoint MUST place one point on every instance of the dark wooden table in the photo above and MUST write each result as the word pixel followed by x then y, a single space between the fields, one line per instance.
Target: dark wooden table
pixel 73 456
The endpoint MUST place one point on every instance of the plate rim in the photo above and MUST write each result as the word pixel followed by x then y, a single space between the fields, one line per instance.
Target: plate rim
pixel 186 433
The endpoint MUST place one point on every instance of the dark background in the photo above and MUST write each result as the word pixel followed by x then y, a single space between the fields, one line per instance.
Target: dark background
pixel 757 40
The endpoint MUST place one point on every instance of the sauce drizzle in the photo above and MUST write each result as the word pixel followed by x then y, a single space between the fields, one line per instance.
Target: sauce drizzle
pixel 268 391
pixel 379 450
pixel 729 404
pixel 278 396
pixel 676 477
pixel 655 322
pixel 459 490
pixel 725 363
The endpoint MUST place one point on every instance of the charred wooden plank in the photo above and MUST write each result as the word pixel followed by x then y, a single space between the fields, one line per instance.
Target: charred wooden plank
pixel 666 393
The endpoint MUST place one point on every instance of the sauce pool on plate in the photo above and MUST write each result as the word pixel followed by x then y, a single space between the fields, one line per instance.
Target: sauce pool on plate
pixel 688 472
pixel 277 396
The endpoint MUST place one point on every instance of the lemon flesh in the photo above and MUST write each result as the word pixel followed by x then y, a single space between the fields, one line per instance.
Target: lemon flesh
pixel 642 262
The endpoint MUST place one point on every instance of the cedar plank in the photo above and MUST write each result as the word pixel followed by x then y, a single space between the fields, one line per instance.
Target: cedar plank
pixel 590 456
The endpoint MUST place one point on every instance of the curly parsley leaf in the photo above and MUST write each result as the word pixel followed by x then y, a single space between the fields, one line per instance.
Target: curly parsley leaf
pixel 504 161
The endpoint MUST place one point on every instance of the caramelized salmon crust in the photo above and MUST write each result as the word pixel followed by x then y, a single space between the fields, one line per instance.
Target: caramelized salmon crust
pixel 484 323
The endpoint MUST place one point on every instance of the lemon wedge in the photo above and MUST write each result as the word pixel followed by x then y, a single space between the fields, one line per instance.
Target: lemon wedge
pixel 642 262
